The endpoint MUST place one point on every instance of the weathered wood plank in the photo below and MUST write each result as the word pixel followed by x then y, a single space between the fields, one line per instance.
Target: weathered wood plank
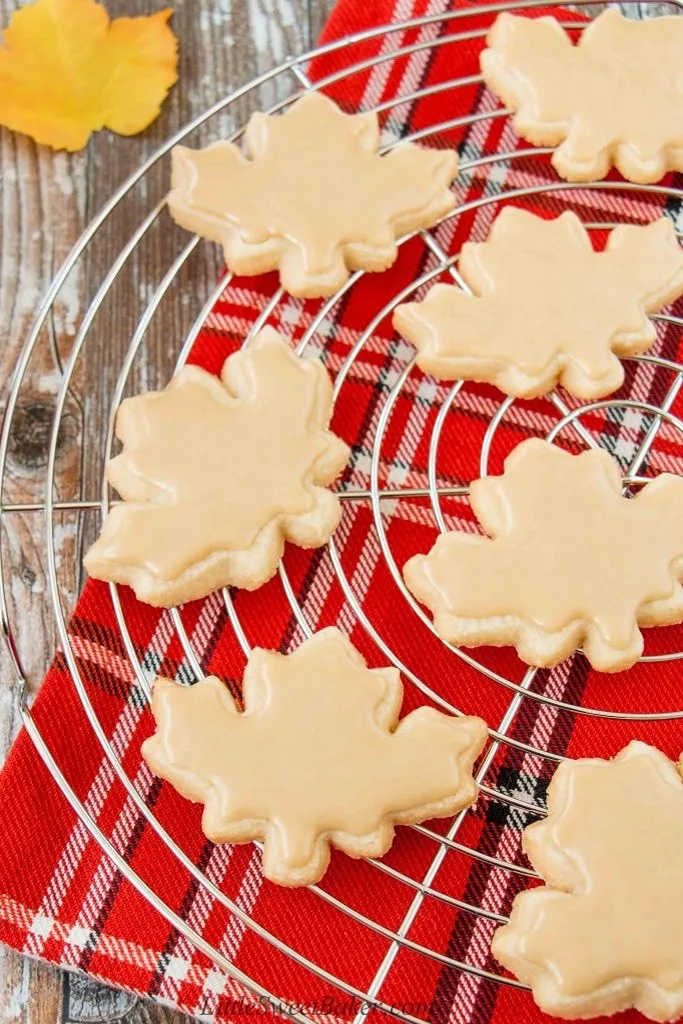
pixel 30 992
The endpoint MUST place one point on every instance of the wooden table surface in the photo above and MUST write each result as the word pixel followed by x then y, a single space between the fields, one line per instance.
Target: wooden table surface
pixel 47 199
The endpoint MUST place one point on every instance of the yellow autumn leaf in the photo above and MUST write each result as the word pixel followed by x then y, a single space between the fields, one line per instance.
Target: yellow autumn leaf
pixel 67 70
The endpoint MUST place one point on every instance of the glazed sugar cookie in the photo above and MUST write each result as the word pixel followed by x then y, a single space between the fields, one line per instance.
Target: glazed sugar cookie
pixel 571 562
pixel 545 307
pixel 606 931
pixel 616 98
pixel 217 473
pixel 318 758
pixel 311 198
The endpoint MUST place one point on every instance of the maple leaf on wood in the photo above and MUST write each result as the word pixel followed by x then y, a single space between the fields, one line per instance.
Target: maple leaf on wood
pixel 606 931
pixel 614 98
pixel 545 306
pixel 311 196
pixel 569 561
pixel 66 71
pixel 217 473
pixel 317 758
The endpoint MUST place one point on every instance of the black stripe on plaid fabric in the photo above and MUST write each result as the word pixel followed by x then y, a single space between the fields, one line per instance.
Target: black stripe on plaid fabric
pixel 183 910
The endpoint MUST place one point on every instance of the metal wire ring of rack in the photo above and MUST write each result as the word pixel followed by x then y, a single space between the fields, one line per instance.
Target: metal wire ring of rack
pixel 521 690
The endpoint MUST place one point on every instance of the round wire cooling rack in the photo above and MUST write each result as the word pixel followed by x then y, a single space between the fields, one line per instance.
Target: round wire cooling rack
pixel 636 423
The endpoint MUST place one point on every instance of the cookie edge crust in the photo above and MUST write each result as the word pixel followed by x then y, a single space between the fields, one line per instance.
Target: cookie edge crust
pixel 551 864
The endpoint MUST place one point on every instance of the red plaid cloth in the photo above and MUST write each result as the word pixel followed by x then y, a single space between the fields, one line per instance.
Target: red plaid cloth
pixel 62 898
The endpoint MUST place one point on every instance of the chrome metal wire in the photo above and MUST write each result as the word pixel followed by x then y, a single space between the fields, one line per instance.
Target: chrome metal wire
pixel 571 420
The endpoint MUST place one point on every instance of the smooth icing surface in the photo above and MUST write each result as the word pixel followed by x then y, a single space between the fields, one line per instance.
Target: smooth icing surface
pixel 311 197
pixel 615 98
pixel 606 932
pixel 545 306
pixel 318 756
pixel 569 552
pixel 208 464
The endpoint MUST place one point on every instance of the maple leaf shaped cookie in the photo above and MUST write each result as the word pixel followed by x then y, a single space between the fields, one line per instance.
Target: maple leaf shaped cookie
pixel 545 306
pixel 217 473
pixel 571 561
pixel 317 758
pixel 606 931
pixel 311 198
pixel 614 98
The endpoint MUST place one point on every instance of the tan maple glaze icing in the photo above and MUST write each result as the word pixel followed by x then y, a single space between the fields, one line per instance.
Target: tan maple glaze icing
pixel 546 306
pixel 312 192
pixel 205 470
pixel 317 752
pixel 610 851
pixel 372 189
pixel 566 546
pixel 220 510
pixel 616 97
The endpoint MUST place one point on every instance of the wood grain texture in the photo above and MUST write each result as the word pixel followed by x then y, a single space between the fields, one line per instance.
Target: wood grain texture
pixel 46 200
